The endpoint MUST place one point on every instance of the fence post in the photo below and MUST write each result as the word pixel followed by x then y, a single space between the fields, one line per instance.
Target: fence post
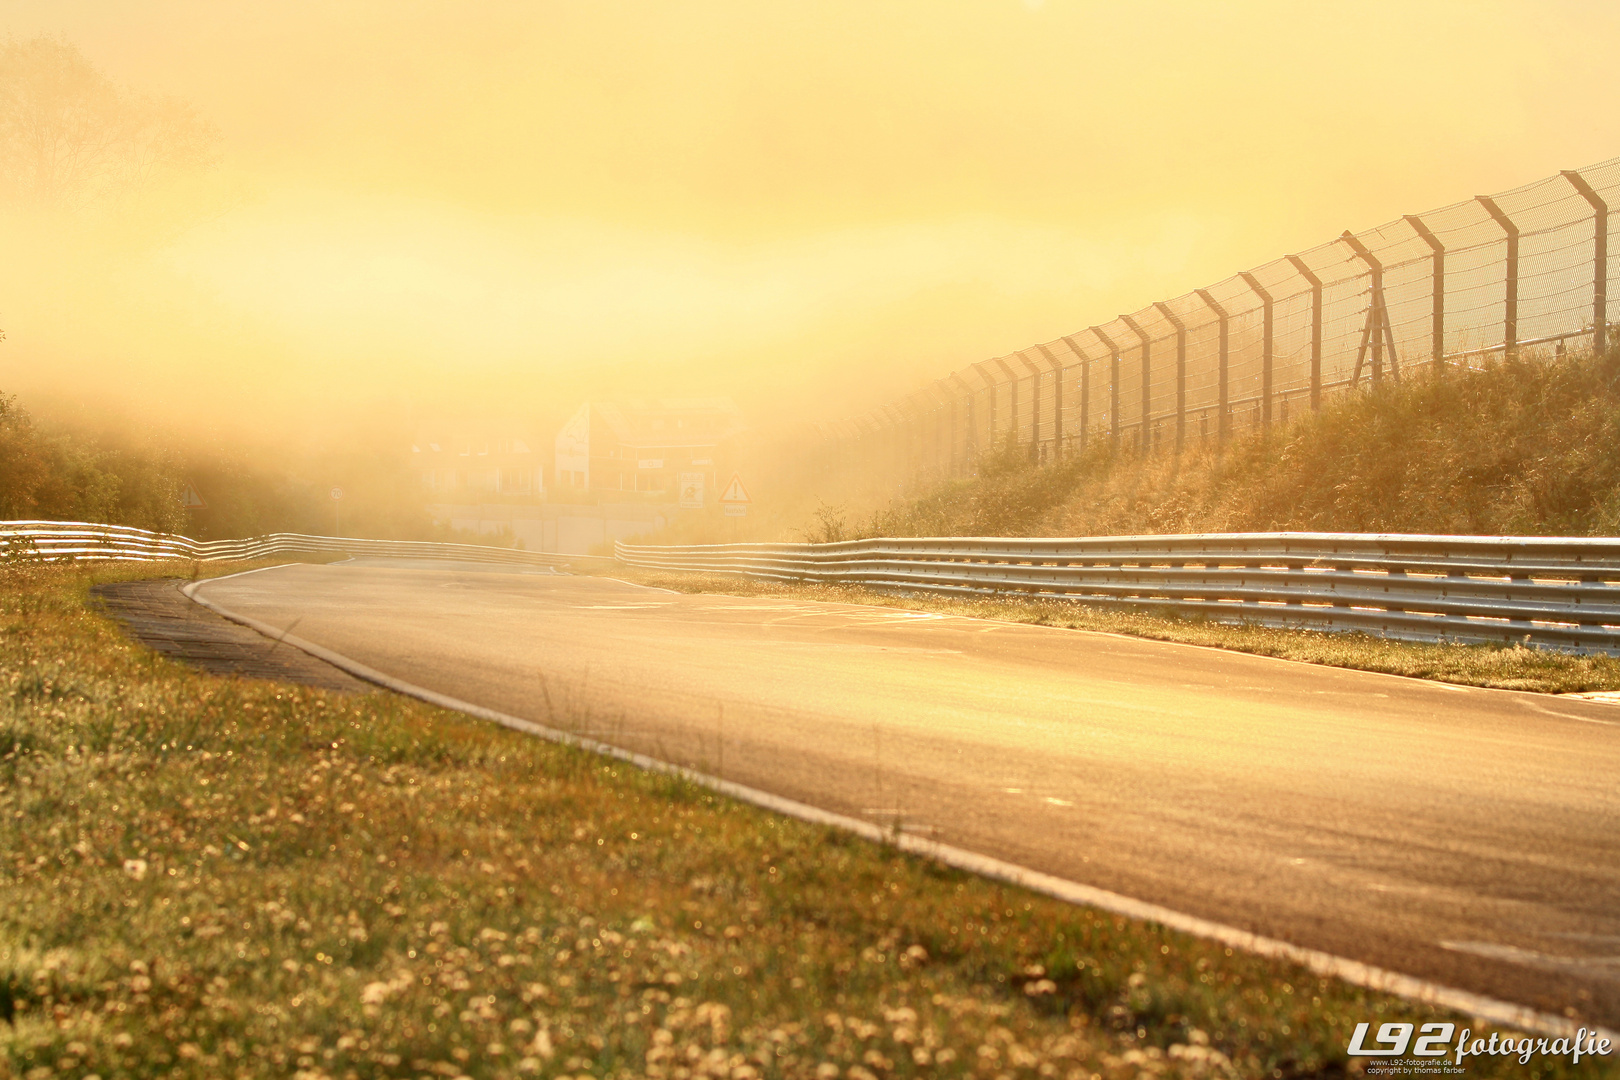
pixel 1439 274
pixel 948 459
pixel 1113 386
pixel 866 445
pixel 970 445
pixel 1181 372
pixel 1057 403
pixel 990 386
pixel 1600 261
pixel 1145 441
pixel 897 439
pixel 927 429
pixel 1223 418
pixel 1510 318
pixel 1316 327
pixel 1086 387
pixel 1012 397
pixel 912 423
pixel 944 427
pixel 1265 346
pixel 1373 333
pixel 1034 406
pixel 891 439
pixel 919 421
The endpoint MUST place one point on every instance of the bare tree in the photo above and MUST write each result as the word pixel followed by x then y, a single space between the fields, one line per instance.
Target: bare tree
pixel 68 135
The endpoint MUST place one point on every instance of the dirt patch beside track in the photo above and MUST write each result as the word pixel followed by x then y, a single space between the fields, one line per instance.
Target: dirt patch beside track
pixel 158 616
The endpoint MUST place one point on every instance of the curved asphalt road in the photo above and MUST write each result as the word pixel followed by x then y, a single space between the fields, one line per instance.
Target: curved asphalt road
pixel 1471 837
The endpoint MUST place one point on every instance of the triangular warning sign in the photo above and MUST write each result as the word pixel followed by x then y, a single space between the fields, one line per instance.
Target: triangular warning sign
pixel 735 492
pixel 191 500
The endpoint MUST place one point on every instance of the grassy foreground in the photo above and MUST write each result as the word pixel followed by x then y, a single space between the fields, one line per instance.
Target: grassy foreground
pixel 219 877
pixel 1505 668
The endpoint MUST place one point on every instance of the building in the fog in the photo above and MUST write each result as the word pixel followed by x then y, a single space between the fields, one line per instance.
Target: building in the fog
pixel 620 470
pixel 662 450
pixel 474 463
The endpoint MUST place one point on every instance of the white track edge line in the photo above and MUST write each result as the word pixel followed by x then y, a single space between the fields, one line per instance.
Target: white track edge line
pixel 1354 972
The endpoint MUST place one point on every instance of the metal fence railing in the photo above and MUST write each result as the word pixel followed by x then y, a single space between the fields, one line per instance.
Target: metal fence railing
pixel 87 541
pixel 1558 592
pixel 1535 266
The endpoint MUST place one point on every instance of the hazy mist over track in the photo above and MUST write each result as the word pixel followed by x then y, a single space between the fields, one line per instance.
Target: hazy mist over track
pixel 515 207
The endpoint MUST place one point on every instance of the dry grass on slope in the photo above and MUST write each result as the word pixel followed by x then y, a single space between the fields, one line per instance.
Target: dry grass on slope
pixel 1525 447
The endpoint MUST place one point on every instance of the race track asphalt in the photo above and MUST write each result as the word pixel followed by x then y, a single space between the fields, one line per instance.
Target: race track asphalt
pixel 1470 837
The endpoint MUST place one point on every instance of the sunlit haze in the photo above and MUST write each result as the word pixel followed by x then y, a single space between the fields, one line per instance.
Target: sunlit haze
pixel 508 207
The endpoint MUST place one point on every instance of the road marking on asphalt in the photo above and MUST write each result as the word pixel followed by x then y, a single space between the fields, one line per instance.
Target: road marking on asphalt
pixel 633 585
pixel 1480 1007
pixel 1512 954
pixel 1540 708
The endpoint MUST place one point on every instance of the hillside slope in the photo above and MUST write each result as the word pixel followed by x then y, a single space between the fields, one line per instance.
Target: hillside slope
pixel 1526 447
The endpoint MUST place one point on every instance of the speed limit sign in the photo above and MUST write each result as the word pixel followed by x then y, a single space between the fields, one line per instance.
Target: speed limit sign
pixel 337 493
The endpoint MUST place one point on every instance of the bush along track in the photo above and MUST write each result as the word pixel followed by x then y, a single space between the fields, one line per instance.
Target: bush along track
pixel 219 877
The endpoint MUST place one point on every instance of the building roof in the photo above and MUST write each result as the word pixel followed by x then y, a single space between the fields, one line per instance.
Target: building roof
pixel 670 421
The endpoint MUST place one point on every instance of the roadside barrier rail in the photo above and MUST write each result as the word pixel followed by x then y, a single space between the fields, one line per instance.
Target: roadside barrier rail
pixel 1557 592
pixel 87 541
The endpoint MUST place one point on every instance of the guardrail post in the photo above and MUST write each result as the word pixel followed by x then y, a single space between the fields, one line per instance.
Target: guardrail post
pixel 1600 261
pixel 1057 405
pixel 1265 346
pixel 1181 372
pixel 1223 414
pixel 1510 314
pixel 1377 329
pixel 1145 442
pixel 1439 304
pixel 1012 398
pixel 1086 387
pixel 1316 328
pixel 1113 386
pixel 1034 406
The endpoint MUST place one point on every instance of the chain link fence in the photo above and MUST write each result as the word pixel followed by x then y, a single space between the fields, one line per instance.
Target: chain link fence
pixel 1530 267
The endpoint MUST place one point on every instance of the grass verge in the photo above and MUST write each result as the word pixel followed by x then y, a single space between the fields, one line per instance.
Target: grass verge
pixel 1514 667
pixel 222 877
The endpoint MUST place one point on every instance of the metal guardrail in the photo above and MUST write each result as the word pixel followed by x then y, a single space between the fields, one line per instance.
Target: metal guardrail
pixel 1558 592
pixel 87 541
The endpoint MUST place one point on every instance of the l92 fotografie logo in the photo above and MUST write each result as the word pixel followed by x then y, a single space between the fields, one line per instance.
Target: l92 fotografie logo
pixel 1435 1041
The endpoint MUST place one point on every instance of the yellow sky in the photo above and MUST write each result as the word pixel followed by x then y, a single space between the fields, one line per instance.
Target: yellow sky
pixel 506 206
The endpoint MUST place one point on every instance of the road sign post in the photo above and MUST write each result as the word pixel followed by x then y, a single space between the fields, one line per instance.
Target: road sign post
pixel 734 498
pixel 690 487
pixel 337 517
